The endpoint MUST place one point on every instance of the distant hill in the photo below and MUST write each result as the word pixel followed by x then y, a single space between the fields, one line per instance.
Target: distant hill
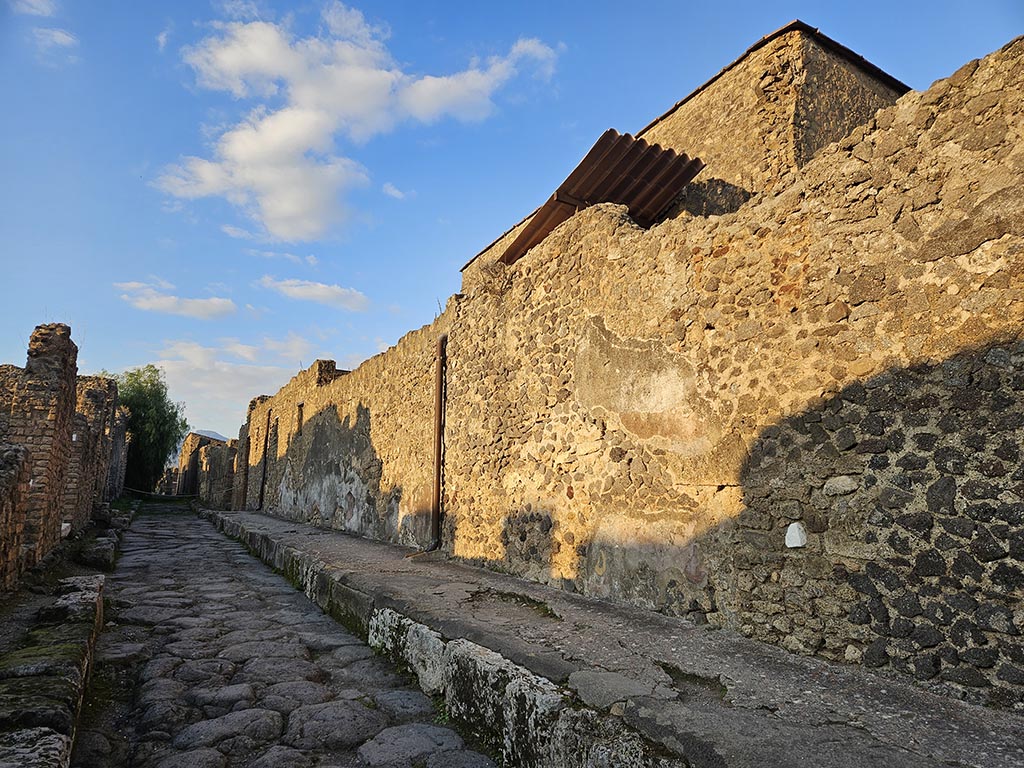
pixel 209 433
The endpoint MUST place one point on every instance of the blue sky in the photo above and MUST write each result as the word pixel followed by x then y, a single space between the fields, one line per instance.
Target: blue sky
pixel 234 188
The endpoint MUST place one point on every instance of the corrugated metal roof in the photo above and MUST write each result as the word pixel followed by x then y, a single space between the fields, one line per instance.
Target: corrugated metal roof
pixel 618 169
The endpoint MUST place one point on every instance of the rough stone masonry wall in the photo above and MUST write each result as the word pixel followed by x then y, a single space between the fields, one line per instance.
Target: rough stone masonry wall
pixel 118 454
pixel 91 448
pixel 763 116
pixel 641 414
pixel 40 404
pixel 351 451
pixel 188 463
pixel 14 475
pixel 216 474
pixel 76 502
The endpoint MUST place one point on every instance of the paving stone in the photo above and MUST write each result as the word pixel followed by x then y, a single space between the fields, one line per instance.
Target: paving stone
pixel 276 670
pixel 259 649
pixel 195 758
pixel 405 705
pixel 334 724
pixel 460 759
pixel 224 696
pixel 261 725
pixel 203 670
pixel 284 697
pixel 402 744
pixel 282 757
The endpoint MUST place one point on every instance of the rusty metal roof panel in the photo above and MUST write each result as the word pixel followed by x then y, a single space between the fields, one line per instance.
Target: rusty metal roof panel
pixel 618 169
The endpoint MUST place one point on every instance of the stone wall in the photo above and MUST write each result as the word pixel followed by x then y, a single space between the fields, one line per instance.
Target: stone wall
pixel 119 439
pixel 77 497
pixel 216 474
pixel 14 477
pixel 761 118
pixel 91 450
pixel 57 436
pixel 41 406
pixel 643 415
pixel 351 450
pixel 188 463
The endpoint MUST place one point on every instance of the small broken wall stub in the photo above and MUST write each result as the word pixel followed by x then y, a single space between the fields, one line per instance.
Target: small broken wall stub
pixel 640 415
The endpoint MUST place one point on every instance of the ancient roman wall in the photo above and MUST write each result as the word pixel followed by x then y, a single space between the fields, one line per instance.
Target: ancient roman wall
pixel 91 448
pixel 216 474
pixel 644 415
pixel 754 124
pixel 118 454
pixel 188 463
pixel 41 410
pixel 352 451
pixel 55 460
pixel 76 504
pixel 14 477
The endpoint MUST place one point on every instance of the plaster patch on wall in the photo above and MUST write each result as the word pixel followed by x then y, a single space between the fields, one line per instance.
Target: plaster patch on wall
pixel 648 388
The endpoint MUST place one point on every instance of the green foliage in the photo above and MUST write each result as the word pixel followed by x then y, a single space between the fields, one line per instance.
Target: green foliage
pixel 156 425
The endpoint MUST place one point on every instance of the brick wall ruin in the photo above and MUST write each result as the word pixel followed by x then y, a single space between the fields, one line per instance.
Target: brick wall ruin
pixel 57 433
pixel 216 474
pixel 643 415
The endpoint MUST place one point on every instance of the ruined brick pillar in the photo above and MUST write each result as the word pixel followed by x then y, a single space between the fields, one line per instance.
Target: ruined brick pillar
pixel 41 414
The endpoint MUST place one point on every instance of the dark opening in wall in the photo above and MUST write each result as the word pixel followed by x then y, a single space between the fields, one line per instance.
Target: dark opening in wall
pixel 298 429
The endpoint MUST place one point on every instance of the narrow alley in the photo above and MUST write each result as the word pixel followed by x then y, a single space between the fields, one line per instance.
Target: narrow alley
pixel 211 660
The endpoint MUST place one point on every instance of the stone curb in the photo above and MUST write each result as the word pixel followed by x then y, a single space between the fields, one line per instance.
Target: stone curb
pixel 533 722
pixel 42 683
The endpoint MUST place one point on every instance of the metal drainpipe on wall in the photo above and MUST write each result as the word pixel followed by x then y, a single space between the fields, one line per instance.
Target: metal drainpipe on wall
pixel 439 408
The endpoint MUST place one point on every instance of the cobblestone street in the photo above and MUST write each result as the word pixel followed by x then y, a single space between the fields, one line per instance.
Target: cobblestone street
pixel 211 660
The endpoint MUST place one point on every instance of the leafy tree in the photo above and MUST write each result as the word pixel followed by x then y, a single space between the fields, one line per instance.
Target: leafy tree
pixel 156 424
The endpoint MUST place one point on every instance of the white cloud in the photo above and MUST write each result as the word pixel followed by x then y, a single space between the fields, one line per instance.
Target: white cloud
pixel 237 232
pixel 216 387
pixel 146 296
pixel 235 348
pixel 391 190
pixel 321 293
pixel 161 39
pixel 54 45
pixel 240 9
pixel 292 347
pixel 34 7
pixel 281 165
pixel 309 260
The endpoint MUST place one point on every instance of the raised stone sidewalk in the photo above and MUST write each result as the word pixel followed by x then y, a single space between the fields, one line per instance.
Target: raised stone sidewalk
pixel 560 680
pixel 42 681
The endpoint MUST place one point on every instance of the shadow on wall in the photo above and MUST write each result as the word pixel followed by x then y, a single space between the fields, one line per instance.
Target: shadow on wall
pixel 331 475
pixel 910 489
pixel 711 197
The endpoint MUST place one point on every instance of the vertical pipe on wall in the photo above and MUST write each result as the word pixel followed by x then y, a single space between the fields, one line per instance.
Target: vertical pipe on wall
pixel 266 448
pixel 435 502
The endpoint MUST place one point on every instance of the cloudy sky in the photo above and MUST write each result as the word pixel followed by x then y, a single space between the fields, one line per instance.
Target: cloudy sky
pixel 232 189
